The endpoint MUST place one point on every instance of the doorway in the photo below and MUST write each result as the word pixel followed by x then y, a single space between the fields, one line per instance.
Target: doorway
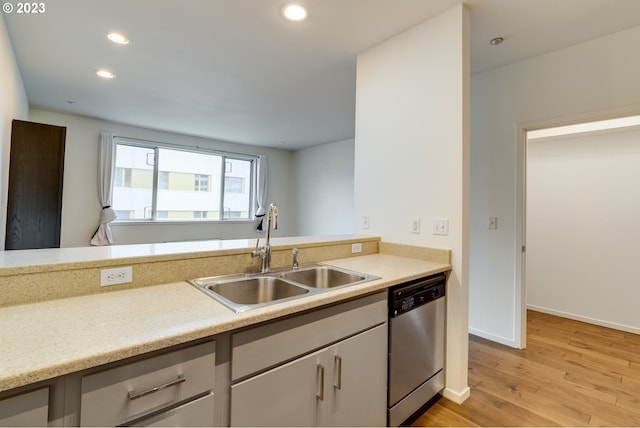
pixel 580 207
pixel 34 200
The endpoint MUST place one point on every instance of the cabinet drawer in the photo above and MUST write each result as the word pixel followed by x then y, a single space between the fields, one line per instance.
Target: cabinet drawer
pixel 130 391
pixel 265 346
pixel 26 409
pixel 197 413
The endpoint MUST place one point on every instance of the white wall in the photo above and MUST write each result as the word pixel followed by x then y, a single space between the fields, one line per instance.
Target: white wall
pixel 324 183
pixel 81 208
pixel 580 82
pixel 583 206
pixel 13 105
pixel 411 155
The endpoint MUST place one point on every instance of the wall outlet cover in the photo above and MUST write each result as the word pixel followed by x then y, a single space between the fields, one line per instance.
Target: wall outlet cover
pixel 121 275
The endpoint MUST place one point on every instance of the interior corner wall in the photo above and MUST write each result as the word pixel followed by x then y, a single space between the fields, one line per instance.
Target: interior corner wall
pixel 324 188
pixel 600 75
pixel 582 211
pixel 81 208
pixel 13 105
pixel 411 155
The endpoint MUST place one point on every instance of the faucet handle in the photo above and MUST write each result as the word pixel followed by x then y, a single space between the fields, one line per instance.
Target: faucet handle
pixel 295 259
pixel 257 252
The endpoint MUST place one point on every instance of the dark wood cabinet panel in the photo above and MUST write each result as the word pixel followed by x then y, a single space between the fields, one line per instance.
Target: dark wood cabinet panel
pixel 34 205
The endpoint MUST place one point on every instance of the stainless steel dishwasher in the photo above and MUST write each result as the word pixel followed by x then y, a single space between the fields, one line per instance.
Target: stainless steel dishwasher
pixel 416 345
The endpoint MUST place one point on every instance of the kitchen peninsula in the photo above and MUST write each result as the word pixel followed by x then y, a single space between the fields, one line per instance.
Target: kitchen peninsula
pixel 58 326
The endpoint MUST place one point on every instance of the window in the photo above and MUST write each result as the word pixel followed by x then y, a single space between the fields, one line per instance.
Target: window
pixel 161 182
pixel 234 184
pixel 163 179
pixel 122 177
pixel 201 183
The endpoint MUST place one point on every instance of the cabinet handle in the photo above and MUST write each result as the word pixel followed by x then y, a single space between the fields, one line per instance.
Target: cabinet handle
pixel 321 372
pixel 136 395
pixel 338 361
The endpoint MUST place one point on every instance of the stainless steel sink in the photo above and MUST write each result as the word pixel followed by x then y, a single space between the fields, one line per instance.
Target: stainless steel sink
pixel 243 292
pixel 254 291
pixel 323 277
pixel 248 292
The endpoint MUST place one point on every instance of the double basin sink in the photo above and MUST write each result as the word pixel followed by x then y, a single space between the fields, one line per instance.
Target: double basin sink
pixel 243 292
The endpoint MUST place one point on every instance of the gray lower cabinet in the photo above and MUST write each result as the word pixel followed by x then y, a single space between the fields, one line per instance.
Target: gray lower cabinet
pixel 356 388
pixel 26 409
pixel 326 367
pixel 40 404
pixel 163 389
pixel 340 385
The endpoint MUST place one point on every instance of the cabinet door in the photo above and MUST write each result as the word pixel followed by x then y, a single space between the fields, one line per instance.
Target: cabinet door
pixel 27 409
pixel 358 388
pixel 288 395
pixel 342 385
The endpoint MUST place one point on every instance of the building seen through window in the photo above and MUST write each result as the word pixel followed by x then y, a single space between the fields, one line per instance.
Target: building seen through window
pixel 188 185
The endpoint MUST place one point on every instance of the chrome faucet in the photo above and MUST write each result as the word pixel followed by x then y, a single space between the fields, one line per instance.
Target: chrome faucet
pixel 265 252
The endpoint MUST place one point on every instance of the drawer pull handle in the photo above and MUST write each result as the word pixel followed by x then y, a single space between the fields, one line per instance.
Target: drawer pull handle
pixel 339 364
pixel 136 395
pixel 321 372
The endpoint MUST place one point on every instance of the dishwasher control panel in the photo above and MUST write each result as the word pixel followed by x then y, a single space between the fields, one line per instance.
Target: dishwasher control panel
pixel 410 295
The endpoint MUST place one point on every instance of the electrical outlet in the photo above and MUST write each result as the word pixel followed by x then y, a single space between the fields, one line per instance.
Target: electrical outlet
pixel 356 248
pixel 440 226
pixel 415 225
pixel 121 275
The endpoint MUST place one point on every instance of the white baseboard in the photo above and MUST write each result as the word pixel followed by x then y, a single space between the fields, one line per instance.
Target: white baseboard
pixel 455 396
pixel 493 338
pixel 588 320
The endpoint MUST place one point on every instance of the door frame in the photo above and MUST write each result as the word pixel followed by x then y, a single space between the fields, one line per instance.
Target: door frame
pixel 520 241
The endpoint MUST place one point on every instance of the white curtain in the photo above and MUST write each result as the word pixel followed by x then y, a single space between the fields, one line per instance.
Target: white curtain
pixel 106 169
pixel 261 189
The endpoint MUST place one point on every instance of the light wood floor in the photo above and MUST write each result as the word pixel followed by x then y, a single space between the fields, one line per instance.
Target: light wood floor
pixel 571 374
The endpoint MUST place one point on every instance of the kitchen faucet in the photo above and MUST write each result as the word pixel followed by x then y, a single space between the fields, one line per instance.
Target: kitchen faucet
pixel 265 252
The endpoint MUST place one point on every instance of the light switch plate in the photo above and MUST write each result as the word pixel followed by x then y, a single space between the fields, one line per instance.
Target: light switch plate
pixel 415 225
pixel 440 226
pixel 356 248
pixel 492 223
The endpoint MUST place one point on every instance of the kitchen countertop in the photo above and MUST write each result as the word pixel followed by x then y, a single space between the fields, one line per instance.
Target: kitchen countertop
pixel 53 338
pixel 49 259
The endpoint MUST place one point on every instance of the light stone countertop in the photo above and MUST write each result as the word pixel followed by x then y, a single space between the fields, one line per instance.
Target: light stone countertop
pixel 47 259
pixel 53 338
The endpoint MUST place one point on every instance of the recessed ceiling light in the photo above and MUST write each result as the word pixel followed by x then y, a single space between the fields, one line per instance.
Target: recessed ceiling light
pixel 118 38
pixel 294 12
pixel 496 41
pixel 105 74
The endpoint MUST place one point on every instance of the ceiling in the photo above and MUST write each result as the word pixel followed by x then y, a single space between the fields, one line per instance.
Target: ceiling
pixel 236 70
